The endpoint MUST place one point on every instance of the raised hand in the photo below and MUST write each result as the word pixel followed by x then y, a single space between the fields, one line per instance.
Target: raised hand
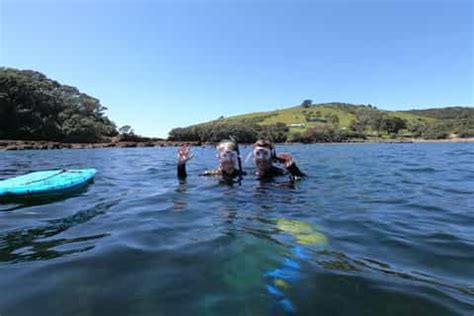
pixel 184 154
pixel 286 159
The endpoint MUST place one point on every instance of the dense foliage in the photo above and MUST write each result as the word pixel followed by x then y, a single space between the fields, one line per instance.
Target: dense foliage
pixel 35 107
pixel 463 127
pixel 325 134
pixel 245 132
pixel 456 112
pixel 378 121
pixel 455 120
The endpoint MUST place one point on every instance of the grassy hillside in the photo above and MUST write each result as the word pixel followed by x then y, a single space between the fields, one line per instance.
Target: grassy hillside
pixel 297 115
pixel 334 122
pixel 317 114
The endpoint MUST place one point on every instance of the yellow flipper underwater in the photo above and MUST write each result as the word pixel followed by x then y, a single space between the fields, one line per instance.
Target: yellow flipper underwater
pixel 294 227
pixel 303 232
pixel 282 284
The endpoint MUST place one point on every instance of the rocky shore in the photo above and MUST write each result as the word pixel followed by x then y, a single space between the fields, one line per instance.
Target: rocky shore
pixel 11 145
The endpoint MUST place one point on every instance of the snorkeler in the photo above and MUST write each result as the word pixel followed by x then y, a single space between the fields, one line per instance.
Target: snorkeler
pixel 229 167
pixel 264 155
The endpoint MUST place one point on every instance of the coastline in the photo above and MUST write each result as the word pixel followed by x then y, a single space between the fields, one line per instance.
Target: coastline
pixel 15 145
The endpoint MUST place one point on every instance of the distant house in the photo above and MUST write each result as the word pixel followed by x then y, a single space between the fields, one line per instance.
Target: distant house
pixel 297 125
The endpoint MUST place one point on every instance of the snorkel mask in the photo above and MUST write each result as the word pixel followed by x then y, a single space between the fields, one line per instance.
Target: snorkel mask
pixel 263 150
pixel 227 156
pixel 262 153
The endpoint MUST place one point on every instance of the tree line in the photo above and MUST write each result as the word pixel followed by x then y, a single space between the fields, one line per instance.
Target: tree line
pixel 34 107
pixel 245 132
pixel 378 121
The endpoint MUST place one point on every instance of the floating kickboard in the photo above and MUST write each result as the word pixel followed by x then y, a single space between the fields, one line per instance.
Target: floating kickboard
pixel 45 182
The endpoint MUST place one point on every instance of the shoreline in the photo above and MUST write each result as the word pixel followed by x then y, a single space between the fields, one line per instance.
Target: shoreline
pixel 15 145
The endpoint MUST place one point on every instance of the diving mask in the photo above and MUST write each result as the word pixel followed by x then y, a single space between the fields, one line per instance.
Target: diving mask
pixel 227 155
pixel 262 153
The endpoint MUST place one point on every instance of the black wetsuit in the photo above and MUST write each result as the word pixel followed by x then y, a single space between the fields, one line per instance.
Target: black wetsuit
pixel 293 170
pixel 213 172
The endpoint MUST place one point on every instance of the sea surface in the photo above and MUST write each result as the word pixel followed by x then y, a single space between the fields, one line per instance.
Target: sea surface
pixel 375 229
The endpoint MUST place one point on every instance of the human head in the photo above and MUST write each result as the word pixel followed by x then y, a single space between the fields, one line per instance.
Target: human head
pixel 263 152
pixel 227 155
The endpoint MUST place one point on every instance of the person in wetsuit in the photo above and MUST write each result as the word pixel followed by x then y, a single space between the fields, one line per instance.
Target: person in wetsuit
pixel 228 156
pixel 264 156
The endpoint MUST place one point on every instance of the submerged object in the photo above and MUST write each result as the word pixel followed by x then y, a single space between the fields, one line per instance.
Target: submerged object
pixel 303 232
pixel 283 274
pixel 289 271
pixel 41 183
pixel 293 226
pixel 315 238
pixel 282 284
pixel 300 252
pixel 287 305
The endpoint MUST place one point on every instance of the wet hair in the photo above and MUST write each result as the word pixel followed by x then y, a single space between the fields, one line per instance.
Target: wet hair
pixel 264 143
pixel 228 144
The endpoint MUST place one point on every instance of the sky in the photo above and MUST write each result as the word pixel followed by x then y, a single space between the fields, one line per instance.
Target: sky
pixel 160 64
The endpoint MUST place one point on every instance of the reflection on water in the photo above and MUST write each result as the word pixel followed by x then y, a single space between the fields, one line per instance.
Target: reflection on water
pixel 12 203
pixel 375 229
pixel 38 243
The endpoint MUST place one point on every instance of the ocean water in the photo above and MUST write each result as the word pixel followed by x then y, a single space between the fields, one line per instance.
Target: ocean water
pixel 376 229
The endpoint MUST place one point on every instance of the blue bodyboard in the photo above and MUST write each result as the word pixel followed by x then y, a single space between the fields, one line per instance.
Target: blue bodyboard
pixel 45 182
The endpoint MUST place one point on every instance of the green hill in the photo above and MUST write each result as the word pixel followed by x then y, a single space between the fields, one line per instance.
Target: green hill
pixel 335 122
pixel 318 114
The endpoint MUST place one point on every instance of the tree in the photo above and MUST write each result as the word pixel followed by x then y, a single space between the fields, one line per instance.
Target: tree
pixel 392 124
pixel 307 103
pixel 356 126
pixel 324 133
pixel 126 130
pixel 416 128
pixel 277 133
pixel 376 119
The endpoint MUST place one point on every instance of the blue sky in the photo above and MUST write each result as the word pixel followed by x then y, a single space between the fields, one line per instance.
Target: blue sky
pixel 163 64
